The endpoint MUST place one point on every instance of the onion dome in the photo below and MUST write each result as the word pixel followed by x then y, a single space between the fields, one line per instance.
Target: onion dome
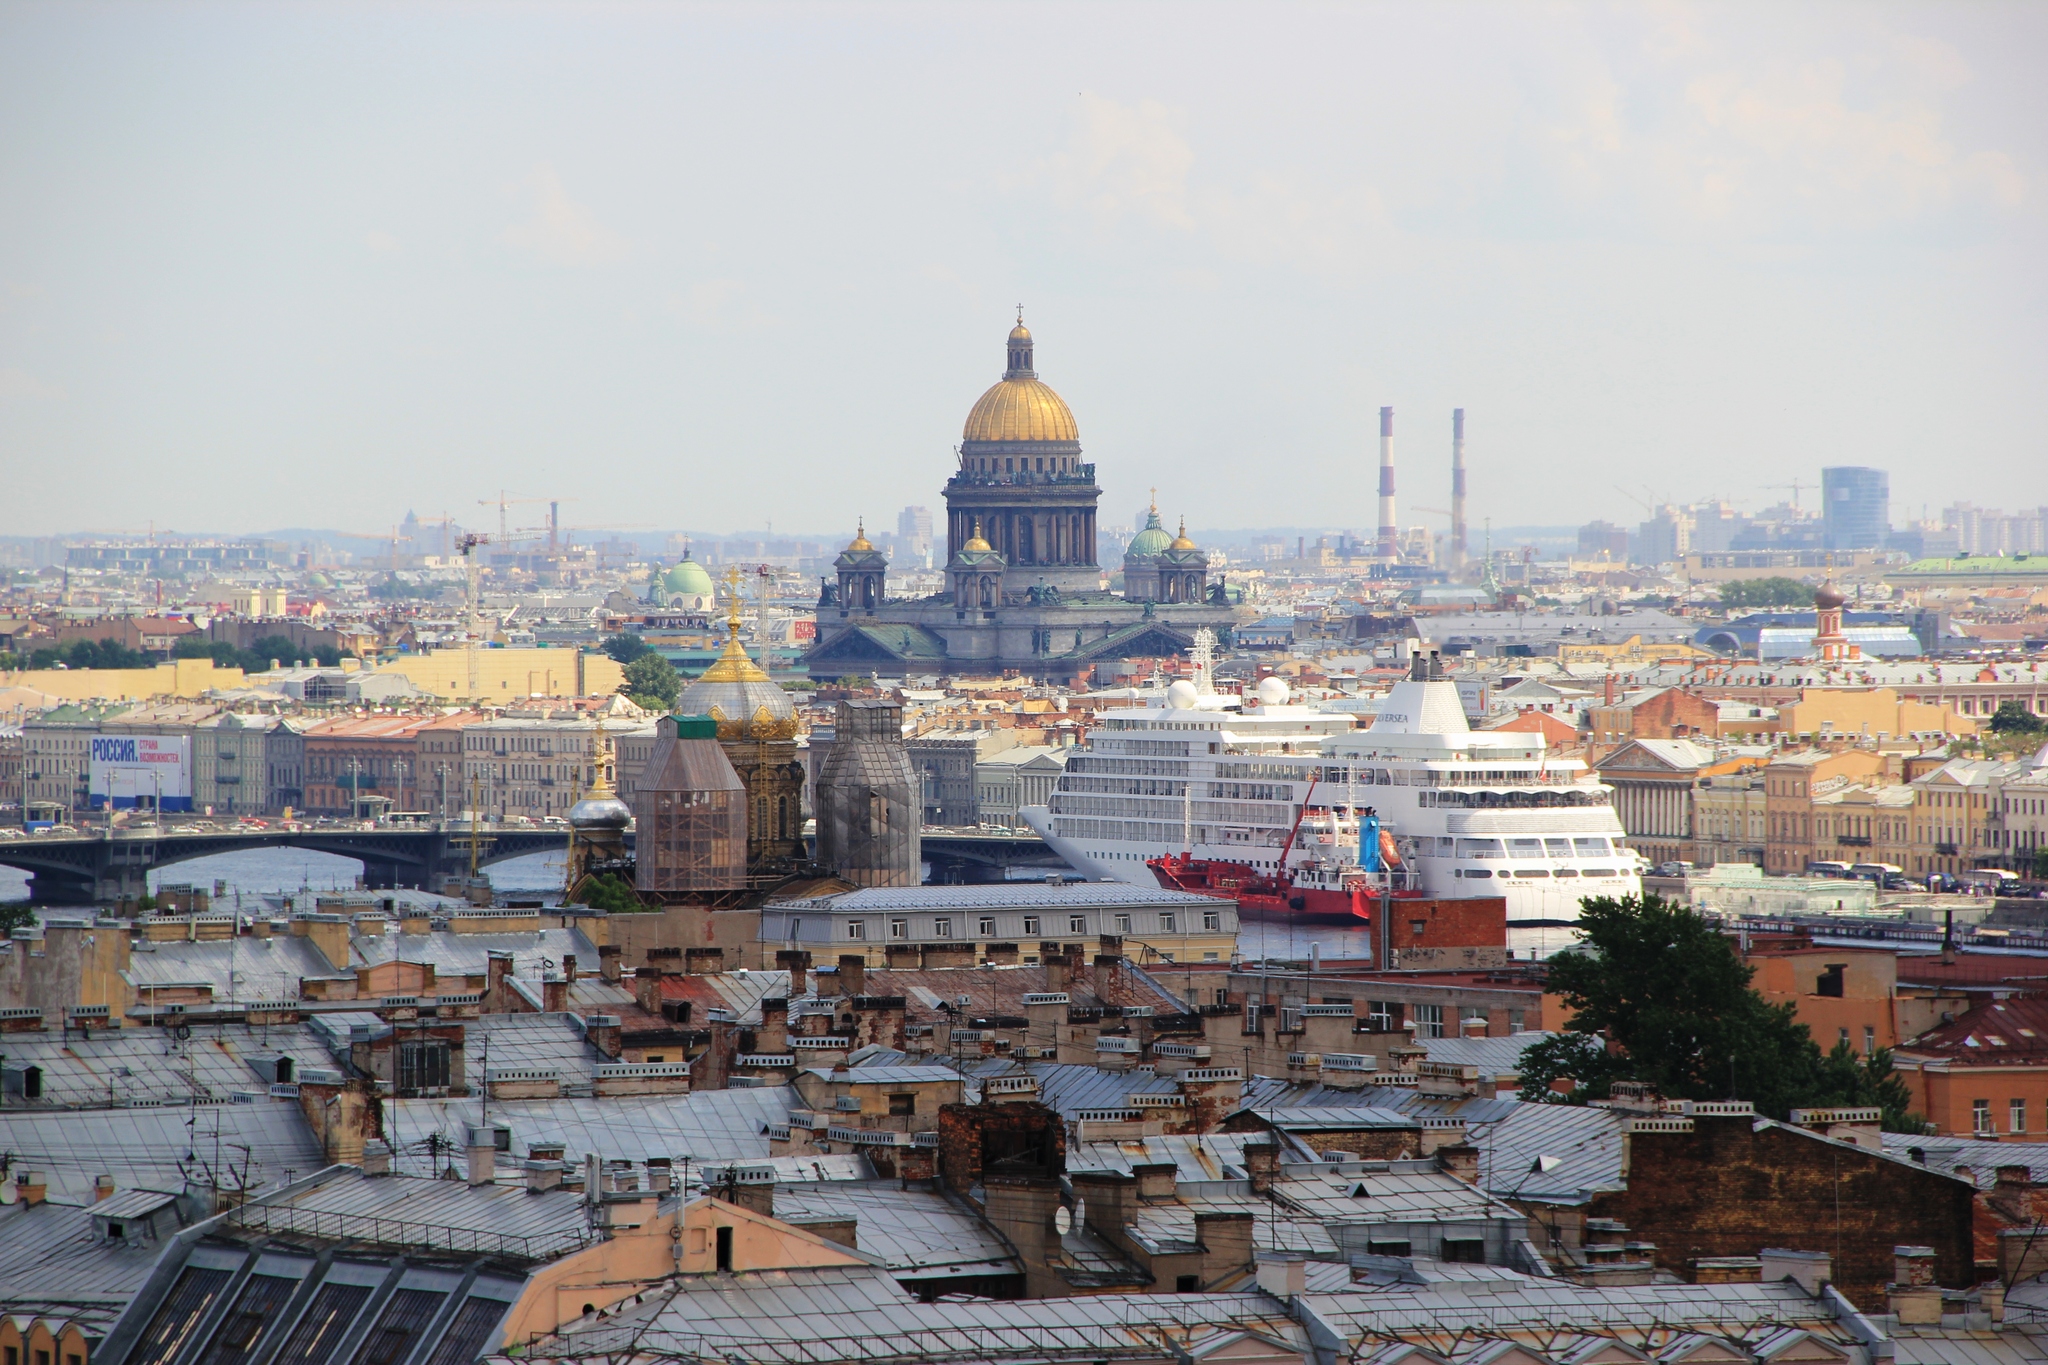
pixel 600 810
pixel 1181 541
pixel 1827 596
pixel 1150 541
pixel 738 694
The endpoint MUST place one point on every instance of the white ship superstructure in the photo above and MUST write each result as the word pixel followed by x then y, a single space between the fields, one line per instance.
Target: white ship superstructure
pixel 1474 812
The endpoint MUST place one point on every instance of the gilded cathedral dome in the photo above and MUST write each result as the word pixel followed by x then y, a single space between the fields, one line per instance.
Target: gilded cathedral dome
pixel 1020 406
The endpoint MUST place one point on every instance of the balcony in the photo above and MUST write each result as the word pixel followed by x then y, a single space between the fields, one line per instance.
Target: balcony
pixel 1853 840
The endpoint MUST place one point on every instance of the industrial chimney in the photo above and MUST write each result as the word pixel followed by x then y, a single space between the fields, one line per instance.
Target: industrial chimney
pixel 1390 533
pixel 1457 490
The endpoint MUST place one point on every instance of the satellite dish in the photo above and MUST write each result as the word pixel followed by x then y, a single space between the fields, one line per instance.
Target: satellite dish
pixel 1062 1221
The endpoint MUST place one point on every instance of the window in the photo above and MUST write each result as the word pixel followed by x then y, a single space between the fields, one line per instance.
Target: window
pixel 2017 1113
pixel 899 928
pixel 1187 1284
pixel 986 926
pixel 856 928
pixel 1429 1021
pixel 725 1248
pixel 1980 1117
pixel 1077 924
pixel 796 928
pixel 1211 920
pixel 902 1106
pixel 422 1066
pixel 1470 1250
pixel 1869 1040
pixel 1123 924
pixel 1169 923
pixel 1030 926
pixel 942 928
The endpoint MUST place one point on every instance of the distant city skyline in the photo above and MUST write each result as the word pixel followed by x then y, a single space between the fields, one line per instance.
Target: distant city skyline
pixel 727 266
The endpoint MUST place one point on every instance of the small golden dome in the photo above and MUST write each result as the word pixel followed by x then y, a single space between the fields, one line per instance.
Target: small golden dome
pixel 1021 410
pixel 975 542
pixel 859 544
pixel 1020 332
pixel 1181 541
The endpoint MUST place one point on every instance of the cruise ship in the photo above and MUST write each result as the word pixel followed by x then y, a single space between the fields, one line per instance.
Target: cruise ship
pixel 1213 776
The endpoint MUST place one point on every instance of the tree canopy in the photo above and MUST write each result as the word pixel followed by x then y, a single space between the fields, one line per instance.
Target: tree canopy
pixel 652 682
pixel 626 648
pixel 1659 995
pixel 1766 592
pixel 2013 718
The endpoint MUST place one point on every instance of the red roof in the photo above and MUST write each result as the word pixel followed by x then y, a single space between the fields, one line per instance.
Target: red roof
pixel 2005 1031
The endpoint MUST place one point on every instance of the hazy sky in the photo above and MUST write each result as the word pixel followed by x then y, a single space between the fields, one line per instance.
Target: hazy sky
pixel 716 266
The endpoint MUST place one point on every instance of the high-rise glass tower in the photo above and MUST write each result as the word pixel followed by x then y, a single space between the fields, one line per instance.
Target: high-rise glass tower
pixel 1855 507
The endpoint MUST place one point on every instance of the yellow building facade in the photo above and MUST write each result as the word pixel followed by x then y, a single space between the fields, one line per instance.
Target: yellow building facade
pixel 504 676
pixel 1877 713
pixel 186 679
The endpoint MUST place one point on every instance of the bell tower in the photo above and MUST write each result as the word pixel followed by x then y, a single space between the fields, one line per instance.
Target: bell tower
pixel 863 576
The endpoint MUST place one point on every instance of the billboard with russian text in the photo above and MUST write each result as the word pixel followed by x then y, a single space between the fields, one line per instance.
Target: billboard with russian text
pixel 129 771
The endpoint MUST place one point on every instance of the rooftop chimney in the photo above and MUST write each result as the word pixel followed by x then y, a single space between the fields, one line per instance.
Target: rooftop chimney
pixel 483 1155
pixel 376 1157
pixel 1457 489
pixel 102 1188
pixel 1390 534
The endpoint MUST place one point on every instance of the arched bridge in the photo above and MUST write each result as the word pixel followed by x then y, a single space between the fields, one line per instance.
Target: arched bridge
pixel 89 866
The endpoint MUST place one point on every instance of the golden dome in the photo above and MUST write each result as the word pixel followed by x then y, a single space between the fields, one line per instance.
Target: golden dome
pixel 975 542
pixel 1181 541
pixel 1020 332
pixel 859 545
pixel 1021 410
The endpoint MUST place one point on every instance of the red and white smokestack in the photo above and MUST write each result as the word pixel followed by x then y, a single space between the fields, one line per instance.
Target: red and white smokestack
pixel 1390 533
pixel 1457 489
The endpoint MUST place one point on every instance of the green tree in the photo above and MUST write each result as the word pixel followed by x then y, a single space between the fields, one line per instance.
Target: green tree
pixel 16 915
pixel 1854 1082
pixel 652 682
pixel 1754 593
pixel 2013 718
pixel 1668 992
pixel 613 894
pixel 626 648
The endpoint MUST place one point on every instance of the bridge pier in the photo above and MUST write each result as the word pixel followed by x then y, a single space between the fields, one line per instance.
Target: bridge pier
pixel 51 886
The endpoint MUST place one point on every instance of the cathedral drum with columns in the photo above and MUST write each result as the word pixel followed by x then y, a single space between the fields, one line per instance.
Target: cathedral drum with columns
pixel 1024 590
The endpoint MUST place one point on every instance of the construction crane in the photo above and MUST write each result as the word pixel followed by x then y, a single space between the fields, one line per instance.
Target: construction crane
pixel 502 502
pixel 471 627
pixel 1795 486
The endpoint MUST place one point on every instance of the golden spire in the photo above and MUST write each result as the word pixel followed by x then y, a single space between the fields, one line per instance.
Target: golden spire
pixel 733 665
pixel 1155 499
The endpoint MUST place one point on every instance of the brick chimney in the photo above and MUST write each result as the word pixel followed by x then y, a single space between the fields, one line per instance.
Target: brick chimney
pixel 1054 957
pixel 797 962
pixel 773 1037
pixel 102 1188
pixel 497 970
pixel 853 974
pixel 31 1187
pixel 554 993
pixel 1262 1164
pixel 569 968
pixel 610 961
pixel 542 1176
pixel 1226 1242
pixel 605 1034
pixel 647 989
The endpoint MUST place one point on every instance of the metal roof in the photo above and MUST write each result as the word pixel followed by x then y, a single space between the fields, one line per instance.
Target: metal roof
pixel 1389 1196
pixel 455 954
pixel 705 1125
pixel 160 1147
pixel 1002 895
pixel 404 1211
pixel 1493 1056
pixel 52 1261
pixel 239 968
pixel 1982 1158
pixel 140 1065
pixel 1586 1142
pixel 922 1231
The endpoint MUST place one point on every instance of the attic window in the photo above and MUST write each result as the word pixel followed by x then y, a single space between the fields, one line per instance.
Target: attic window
pixel 114 1229
pixel 1996 1041
pixel 1359 1190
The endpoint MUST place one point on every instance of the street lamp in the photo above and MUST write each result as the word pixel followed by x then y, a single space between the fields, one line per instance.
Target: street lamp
pixel 355 772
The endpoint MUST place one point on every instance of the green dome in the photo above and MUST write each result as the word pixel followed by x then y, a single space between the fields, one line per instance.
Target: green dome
pixel 687 579
pixel 1150 541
